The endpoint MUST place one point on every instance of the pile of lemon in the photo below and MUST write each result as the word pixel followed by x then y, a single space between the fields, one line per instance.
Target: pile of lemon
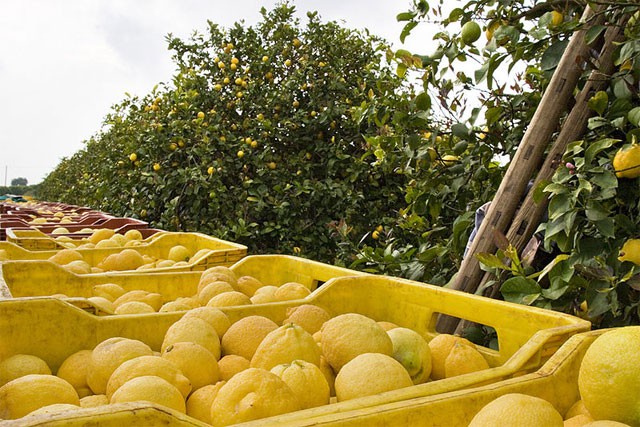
pixel 609 385
pixel 225 373
pixel 127 258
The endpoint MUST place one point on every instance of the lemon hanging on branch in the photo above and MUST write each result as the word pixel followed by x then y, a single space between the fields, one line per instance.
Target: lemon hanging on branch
pixel 626 162
pixel 470 32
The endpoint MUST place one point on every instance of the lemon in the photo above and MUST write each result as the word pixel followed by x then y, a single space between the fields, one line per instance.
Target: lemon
pixel 148 365
pixel 440 347
pixel 228 299
pixel 55 408
pixel 556 18
pixel 108 355
pixel 264 295
pixel 243 337
pixel 604 423
pixel 193 329
pixel 470 32
pixel 200 401
pixel 172 306
pixel 230 365
pixel 370 373
pixel 287 343
pixel 74 371
pixel 151 298
pixel 346 336
pixel 216 273
pixel 250 395
pixel 60 230
pixel 214 316
pixel 626 162
pixel 151 389
pixel 630 251
pixel 107 244
pixel 248 285
pixel 213 289
pixel 577 408
pixel 127 259
pixel 387 326
pixel 65 256
pixel 110 291
pixel 195 362
pixel 78 267
pixel 517 410
pixel 310 317
pixel 24 395
pixel 306 380
pixel 413 352
pixel 179 253
pixel 133 235
pixel 609 376
pixel 94 400
pixel 133 307
pixel 579 420
pixel 463 359
pixel 101 234
pixel 329 375
pixel 19 365
pixel 291 291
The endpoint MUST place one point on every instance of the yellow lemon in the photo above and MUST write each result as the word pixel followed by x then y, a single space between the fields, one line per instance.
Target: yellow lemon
pixel 230 365
pixel 213 289
pixel 387 326
pixel 24 395
pixel 65 256
pixel 248 285
pixel 19 365
pixel 127 259
pixel 102 303
pixel 151 389
pixel 630 251
pixel 94 401
pixel 306 380
pixel 577 408
pixel 264 295
pixel 193 329
pixel 133 307
pixel 200 401
pixel 284 345
pixel 214 316
pixel 218 273
pixel 579 420
pixel 440 347
pixel 626 162
pixel 228 299
pixel 148 365
pixel 133 235
pixel 108 355
pixel 110 291
pixel 172 306
pixel 329 375
pixel 78 267
pixel 179 253
pixel 370 373
pixel 463 359
pixel 346 336
pixel 308 316
pixel 291 291
pixel 197 363
pixel 55 408
pixel 609 376
pixel 517 410
pixel 151 298
pixel 244 336
pixel 251 395
pixel 74 371
pixel 101 234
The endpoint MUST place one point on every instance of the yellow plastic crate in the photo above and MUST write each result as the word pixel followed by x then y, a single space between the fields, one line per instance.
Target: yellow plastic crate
pixel 556 381
pixel 220 252
pixel 23 279
pixel 53 329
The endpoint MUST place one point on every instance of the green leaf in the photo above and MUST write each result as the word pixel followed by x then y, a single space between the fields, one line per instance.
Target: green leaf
pixel 596 211
pixel 606 227
pixel 551 56
pixel 492 261
pixel 520 290
pixel 593 33
pixel 596 147
pixel 455 14
pixel 401 70
pixel 634 116
pixel 599 102
pixel 407 30
pixel 423 101
pixel 559 205
pixel 405 16
pixel 460 130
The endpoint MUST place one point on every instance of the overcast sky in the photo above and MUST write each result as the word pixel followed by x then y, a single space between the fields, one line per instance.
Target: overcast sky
pixel 63 63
